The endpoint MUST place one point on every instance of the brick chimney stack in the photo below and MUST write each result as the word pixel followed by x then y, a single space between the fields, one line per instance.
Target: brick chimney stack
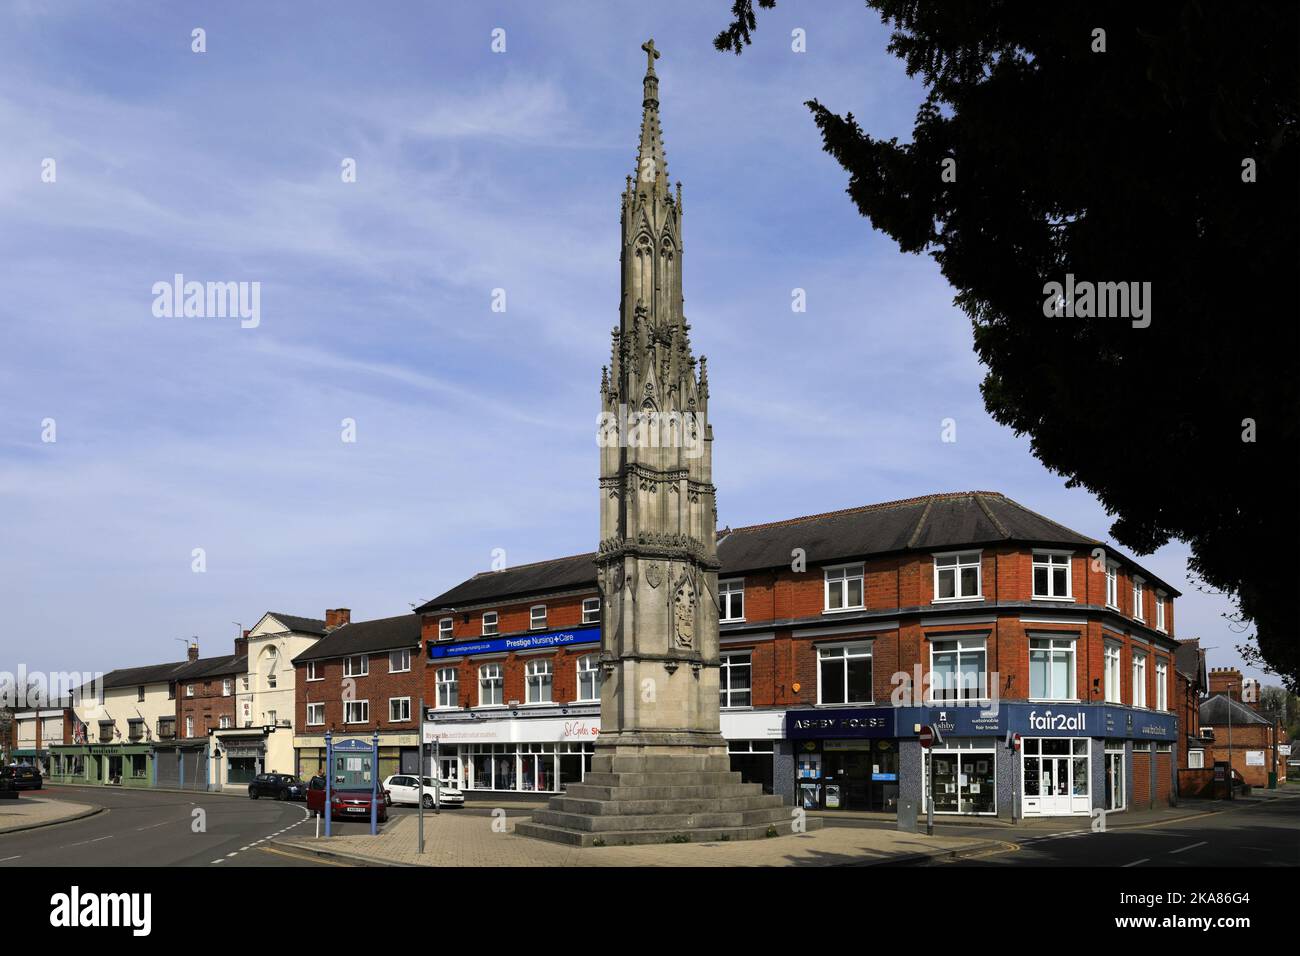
pixel 1226 680
pixel 241 644
pixel 337 618
pixel 193 651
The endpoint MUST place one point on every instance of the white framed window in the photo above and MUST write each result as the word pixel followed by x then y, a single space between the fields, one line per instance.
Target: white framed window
pixel 957 576
pixel 844 588
pixel 315 715
pixel 491 689
pixel 735 680
pixel 489 623
pixel 399 661
pixel 314 671
pixel 447 682
pixel 356 711
pixel 227 687
pixel 589 677
pixel 399 710
pixel 1160 611
pixel 1139 613
pixel 958 669
pixel 1112 585
pixel 1162 684
pixel 1052 575
pixel 270 718
pixel 591 610
pixel 537 681
pixel 224 722
pixel 356 666
pixel 244 681
pixel 1139 679
pixel 1051 668
pixel 537 617
pixel 731 600
pixel 189 726
pixel 444 629
pixel 844 674
pixel 1195 759
pixel 189 690
pixel 1112 672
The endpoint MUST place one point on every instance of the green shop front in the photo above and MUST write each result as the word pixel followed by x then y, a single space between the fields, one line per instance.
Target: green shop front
pixel 108 765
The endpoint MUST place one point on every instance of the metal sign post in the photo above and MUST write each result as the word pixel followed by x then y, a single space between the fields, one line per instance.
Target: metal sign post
pixel 437 780
pixel 374 784
pixel 420 772
pixel 329 778
pixel 926 738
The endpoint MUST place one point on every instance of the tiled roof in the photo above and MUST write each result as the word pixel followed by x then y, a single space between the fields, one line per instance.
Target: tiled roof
pixel 303 625
pixel 1215 711
pixel 928 523
pixel 383 634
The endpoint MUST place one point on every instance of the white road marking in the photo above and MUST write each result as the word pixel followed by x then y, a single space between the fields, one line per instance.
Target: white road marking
pixel 1145 859
pixel 154 826
pixel 1192 847
pixel 84 842
pixel 7 858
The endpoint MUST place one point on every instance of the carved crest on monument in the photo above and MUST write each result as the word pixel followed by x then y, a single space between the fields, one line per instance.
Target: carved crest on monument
pixel 654 574
pixel 684 613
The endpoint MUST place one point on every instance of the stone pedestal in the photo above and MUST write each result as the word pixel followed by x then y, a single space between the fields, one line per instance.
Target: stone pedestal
pixel 663 794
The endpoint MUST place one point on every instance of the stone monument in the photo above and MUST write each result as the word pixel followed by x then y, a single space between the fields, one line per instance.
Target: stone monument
pixel 660 772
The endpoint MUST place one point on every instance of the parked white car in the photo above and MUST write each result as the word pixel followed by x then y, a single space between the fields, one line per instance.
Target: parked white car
pixel 405 789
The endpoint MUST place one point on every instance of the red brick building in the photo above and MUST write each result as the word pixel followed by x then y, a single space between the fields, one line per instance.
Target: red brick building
pixel 360 679
pixel 206 690
pixel 1239 734
pixel 839 633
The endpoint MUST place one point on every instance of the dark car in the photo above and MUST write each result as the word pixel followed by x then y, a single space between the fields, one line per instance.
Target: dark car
pixel 24 777
pixel 346 804
pixel 281 786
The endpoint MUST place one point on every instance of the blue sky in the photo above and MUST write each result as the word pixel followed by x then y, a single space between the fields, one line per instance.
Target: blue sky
pixel 475 429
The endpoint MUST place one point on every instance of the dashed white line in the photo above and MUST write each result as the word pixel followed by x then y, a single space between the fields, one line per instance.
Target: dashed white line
pixel 7 858
pixel 1145 859
pixel 1192 847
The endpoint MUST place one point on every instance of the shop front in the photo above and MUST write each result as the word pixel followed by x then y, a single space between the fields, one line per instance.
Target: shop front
pixel 108 765
pixel 520 755
pixel 238 756
pixel 845 759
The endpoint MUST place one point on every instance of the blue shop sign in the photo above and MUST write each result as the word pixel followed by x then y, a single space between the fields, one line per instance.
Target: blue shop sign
pixel 857 722
pixel 523 642
pixel 964 720
pixel 1139 724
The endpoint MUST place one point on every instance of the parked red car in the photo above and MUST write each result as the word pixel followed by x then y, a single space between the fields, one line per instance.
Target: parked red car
pixel 347 804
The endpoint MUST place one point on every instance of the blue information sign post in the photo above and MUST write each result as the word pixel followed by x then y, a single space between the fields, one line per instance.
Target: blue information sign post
pixel 356 764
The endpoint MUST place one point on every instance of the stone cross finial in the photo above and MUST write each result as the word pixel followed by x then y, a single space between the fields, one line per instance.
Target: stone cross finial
pixel 651 54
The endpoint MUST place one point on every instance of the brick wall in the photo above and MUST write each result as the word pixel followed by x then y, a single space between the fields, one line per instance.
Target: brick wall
pixel 208 705
pixel 377 687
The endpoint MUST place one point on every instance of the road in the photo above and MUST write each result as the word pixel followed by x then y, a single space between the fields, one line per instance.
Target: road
pixel 157 828
pixel 1257 835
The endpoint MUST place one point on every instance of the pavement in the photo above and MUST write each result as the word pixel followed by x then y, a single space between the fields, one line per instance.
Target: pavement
pixel 33 809
pixel 467 838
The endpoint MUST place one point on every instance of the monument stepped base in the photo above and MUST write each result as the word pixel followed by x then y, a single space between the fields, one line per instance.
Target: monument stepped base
pixel 674 798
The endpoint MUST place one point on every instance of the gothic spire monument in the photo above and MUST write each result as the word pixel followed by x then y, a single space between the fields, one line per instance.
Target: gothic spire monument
pixel 660 769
